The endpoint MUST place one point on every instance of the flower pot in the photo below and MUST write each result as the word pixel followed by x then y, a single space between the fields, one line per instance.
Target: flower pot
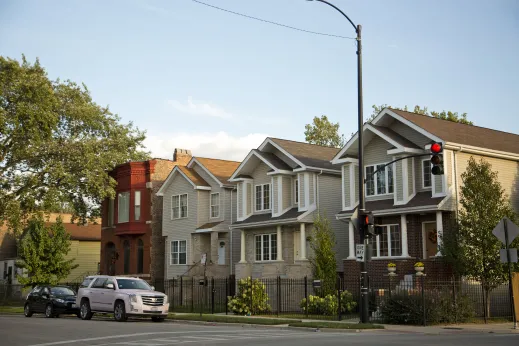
pixel 419 269
pixel 391 269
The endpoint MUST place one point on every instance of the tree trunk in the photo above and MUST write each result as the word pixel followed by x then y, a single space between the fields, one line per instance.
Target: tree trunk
pixel 487 301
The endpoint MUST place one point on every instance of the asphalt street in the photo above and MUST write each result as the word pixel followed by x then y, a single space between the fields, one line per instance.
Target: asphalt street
pixel 39 331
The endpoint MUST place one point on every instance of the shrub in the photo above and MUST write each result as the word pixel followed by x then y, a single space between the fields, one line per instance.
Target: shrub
pixel 405 308
pixel 249 290
pixel 329 304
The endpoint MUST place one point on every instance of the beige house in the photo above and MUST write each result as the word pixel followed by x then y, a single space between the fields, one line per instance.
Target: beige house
pixel 414 206
pixel 280 188
pixel 197 211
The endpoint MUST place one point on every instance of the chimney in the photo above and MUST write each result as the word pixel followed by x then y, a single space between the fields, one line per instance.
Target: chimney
pixel 182 156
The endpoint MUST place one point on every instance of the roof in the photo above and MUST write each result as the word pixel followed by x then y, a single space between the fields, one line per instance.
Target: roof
pixel 90 232
pixel 309 154
pixel 255 218
pixel 192 175
pixel 209 225
pixel 421 199
pixel 395 136
pixel 221 169
pixel 273 160
pixel 472 135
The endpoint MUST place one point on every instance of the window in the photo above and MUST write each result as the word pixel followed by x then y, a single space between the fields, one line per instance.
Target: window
pixel 426 173
pixel 133 284
pixel 380 183
pixel 140 256
pixel 266 247
pixel 86 282
pixel 137 205
pixel 215 204
pixel 296 190
pixel 123 207
pixel 262 197
pixel 389 243
pixel 126 247
pixel 110 212
pixel 99 283
pixel 178 252
pixel 179 206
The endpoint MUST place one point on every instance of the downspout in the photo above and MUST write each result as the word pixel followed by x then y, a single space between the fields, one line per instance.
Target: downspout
pixel 317 193
pixel 230 239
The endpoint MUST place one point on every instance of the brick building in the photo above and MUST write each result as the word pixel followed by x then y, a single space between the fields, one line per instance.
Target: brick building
pixel 131 237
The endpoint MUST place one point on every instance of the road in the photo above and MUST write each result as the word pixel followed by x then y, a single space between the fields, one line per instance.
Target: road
pixel 39 331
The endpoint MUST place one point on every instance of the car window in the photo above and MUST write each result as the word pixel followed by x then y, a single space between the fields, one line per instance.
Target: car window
pixel 132 284
pixel 62 291
pixel 109 281
pixel 36 290
pixel 86 282
pixel 45 290
pixel 99 283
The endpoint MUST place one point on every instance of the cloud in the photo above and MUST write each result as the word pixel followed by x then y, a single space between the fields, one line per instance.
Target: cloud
pixel 219 145
pixel 201 108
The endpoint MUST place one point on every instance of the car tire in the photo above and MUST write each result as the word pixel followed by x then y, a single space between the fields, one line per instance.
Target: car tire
pixel 85 312
pixel 27 310
pixel 78 315
pixel 120 312
pixel 157 319
pixel 49 311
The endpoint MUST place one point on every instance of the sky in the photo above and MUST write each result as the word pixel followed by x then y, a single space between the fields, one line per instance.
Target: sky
pixel 216 83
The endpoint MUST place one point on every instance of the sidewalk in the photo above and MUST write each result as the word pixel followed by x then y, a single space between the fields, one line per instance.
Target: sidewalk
pixel 498 328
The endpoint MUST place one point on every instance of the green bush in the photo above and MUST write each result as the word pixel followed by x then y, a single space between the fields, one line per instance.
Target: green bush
pixel 249 290
pixel 328 305
pixel 440 307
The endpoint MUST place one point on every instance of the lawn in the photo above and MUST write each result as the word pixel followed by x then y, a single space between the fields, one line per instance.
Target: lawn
pixel 11 309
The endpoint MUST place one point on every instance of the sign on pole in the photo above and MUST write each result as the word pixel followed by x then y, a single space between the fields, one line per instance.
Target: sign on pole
pixel 499 231
pixel 359 252
pixel 513 255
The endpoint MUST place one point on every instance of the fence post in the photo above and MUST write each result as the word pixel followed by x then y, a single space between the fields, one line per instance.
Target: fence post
pixel 181 291
pixel 423 301
pixel 212 295
pixel 172 303
pixel 306 296
pixel 278 290
pixel 339 298
pixel 455 301
pixel 484 302
pixel 193 294
pixel 226 296
pixel 251 295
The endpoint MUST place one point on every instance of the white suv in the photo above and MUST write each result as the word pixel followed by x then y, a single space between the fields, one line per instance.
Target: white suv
pixel 122 296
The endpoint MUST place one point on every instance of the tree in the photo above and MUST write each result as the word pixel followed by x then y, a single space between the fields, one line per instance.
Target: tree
pixel 472 249
pixel 57 146
pixel 445 115
pixel 324 266
pixel 323 132
pixel 42 253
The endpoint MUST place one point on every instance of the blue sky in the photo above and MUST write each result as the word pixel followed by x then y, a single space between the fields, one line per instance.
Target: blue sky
pixel 198 78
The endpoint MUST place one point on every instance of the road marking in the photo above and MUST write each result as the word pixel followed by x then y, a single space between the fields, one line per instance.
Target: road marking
pixel 204 338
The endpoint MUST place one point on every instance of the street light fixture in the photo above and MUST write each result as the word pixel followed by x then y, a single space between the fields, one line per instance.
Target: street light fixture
pixel 364 314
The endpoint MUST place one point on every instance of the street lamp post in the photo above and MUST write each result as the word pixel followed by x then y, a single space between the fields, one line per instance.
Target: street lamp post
pixel 364 314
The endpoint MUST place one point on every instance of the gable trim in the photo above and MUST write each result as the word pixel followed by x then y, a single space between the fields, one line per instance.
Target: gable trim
pixel 170 178
pixel 194 160
pixel 244 162
pixel 277 146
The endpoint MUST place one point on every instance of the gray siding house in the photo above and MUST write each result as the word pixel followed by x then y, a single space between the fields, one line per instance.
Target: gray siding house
pixel 280 188
pixel 414 206
pixel 198 202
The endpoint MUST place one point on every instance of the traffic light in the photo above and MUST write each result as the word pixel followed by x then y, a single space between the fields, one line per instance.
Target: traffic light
pixel 437 159
pixel 368 224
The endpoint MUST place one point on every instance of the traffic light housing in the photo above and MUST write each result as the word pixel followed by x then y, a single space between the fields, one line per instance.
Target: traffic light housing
pixel 437 158
pixel 368 224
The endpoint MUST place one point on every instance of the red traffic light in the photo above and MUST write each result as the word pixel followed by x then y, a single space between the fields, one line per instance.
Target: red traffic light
pixel 436 148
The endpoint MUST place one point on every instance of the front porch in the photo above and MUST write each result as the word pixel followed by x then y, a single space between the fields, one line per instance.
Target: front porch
pixel 211 253
pixel 272 251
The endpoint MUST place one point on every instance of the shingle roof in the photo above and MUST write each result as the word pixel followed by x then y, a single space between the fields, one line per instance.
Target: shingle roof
pixel 273 159
pixel 88 232
pixel 221 169
pixel 309 154
pixel 209 225
pixel 395 137
pixel 192 175
pixel 472 135
pixel 421 199
pixel 255 218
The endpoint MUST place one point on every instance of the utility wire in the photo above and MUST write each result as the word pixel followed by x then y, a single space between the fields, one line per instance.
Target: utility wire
pixel 270 22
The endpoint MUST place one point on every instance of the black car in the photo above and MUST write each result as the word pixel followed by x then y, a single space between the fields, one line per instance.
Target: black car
pixel 52 301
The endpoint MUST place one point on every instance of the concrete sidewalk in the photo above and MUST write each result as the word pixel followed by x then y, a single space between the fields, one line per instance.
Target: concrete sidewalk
pixel 498 328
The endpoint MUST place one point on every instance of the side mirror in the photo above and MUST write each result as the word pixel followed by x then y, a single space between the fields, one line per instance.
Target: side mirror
pixel 110 286
pixel 153 288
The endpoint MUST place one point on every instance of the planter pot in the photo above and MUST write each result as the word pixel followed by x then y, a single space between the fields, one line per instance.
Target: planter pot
pixel 419 269
pixel 391 269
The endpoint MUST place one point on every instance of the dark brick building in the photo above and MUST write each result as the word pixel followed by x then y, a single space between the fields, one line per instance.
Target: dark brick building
pixel 131 237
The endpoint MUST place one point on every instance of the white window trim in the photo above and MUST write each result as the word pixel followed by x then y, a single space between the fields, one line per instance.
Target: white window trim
pixel 215 205
pixel 271 236
pixel 262 195
pixel 179 208
pixel 375 180
pixel 135 205
pixel 430 171
pixel 377 241
pixel 171 252
pixel 119 205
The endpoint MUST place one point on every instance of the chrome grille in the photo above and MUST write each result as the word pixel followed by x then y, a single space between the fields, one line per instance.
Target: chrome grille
pixel 153 300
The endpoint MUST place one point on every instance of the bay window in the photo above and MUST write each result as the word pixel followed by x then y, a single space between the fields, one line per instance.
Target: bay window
pixel 262 197
pixel 123 207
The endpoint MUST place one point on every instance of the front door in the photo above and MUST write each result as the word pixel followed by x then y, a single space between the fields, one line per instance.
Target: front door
pixel 430 240
pixel 221 253
pixel 297 245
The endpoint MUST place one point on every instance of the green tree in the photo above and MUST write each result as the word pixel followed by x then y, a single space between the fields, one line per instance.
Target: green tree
pixel 42 253
pixel 472 249
pixel 323 132
pixel 56 145
pixel 324 265
pixel 445 115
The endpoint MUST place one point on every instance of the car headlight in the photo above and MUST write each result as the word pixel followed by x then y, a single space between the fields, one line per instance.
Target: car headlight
pixel 59 300
pixel 133 298
pixel 165 300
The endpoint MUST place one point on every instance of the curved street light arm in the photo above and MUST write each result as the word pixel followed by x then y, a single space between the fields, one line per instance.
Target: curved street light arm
pixel 344 14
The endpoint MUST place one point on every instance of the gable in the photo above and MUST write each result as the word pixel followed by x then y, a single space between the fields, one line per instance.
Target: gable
pixel 217 170
pixel 191 176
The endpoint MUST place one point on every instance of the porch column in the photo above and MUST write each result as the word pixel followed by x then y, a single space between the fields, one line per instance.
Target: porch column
pixel 302 241
pixel 403 227
pixel 279 245
pixel 351 240
pixel 242 247
pixel 439 231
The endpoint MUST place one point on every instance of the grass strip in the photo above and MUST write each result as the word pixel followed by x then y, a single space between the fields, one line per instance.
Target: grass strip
pixel 230 319
pixel 336 325
pixel 11 309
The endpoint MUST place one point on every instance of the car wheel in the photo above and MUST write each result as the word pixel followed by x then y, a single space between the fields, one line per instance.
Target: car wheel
pixel 85 311
pixel 49 311
pixel 78 315
pixel 27 310
pixel 120 312
pixel 157 319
